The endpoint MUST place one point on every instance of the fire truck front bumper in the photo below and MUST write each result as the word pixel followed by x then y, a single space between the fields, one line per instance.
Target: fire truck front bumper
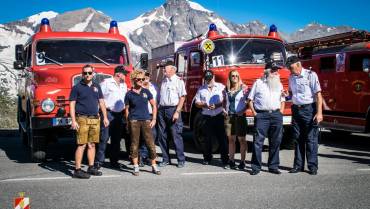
pixel 43 122
pixel 287 120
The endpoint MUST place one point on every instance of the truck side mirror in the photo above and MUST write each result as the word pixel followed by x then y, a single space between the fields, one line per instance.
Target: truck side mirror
pixel 18 65
pixel 19 52
pixel 144 61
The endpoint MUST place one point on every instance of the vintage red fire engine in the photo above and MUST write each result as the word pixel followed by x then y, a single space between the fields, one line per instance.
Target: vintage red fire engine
pixel 50 64
pixel 342 63
pixel 221 54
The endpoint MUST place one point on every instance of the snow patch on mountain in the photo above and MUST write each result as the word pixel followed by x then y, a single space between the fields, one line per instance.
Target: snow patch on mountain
pixel 81 26
pixel 35 19
pixel 198 7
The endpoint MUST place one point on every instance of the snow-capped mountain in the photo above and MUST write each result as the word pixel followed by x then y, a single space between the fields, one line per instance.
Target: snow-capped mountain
pixel 175 20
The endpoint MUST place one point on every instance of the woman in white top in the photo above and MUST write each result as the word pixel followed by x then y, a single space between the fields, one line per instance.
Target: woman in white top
pixel 235 121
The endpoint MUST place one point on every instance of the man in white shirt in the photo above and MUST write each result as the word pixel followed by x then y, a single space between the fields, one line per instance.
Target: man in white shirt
pixel 114 90
pixel 267 102
pixel 210 98
pixel 170 125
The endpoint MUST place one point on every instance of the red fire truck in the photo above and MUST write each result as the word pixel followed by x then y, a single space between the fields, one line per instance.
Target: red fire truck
pixel 245 53
pixel 342 63
pixel 50 63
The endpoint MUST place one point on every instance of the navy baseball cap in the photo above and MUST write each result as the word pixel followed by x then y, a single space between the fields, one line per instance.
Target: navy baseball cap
pixel 120 69
pixel 291 60
pixel 208 75
pixel 273 66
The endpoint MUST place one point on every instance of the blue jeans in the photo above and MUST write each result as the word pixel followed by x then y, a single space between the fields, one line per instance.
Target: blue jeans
pixel 305 133
pixel 267 125
pixel 173 130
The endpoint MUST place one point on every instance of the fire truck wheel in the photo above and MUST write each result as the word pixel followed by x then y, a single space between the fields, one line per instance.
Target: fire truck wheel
pixel 38 146
pixel 287 141
pixel 198 125
pixel 340 133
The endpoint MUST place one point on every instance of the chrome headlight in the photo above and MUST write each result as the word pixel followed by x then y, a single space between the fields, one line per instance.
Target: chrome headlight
pixel 47 105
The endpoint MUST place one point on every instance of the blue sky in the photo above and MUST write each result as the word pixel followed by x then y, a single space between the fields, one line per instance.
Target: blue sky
pixel 288 15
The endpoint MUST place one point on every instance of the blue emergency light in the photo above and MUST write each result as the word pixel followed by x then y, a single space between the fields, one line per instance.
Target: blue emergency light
pixel 113 23
pixel 212 27
pixel 45 21
pixel 273 28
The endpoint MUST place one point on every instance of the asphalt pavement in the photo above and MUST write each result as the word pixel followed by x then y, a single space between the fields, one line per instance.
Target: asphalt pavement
pixel 343 180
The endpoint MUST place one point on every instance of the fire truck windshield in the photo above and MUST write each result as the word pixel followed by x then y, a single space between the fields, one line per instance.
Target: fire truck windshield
pixel 246 51
pixel 80 51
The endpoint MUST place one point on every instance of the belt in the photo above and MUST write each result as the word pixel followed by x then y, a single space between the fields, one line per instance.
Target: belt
pixel 165 107
pixel 302 106
pixel 267 111
pixel 212 116
pixel 88 116
pixel 109 110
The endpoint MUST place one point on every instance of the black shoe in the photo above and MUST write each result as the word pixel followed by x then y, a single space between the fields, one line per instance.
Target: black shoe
pixel 206 162
pixel 181 164
pixel 97 166
pixel 80 174
pixel 295 170
pixel 232 164
pixel 163 164
pixel 312 172
pixel 93 171
pixel 274 171
pixel 254 172
pixel 241 166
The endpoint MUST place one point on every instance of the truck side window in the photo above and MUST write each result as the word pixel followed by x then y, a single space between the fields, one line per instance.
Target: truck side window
pixel 327 64
pixel 195 59
pixel 356 62
pixel 181 67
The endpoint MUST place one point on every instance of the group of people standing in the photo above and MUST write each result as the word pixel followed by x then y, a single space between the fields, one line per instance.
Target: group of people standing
pixel 153 116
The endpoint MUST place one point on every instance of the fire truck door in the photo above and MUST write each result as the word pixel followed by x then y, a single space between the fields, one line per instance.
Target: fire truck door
pixel 352 86
pixel 194 75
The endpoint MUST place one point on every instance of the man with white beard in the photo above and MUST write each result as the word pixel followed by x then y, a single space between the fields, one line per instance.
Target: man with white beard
pixel 267 102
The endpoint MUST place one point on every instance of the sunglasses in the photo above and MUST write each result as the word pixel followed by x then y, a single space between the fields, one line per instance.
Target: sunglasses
pixel 87 73
pixel 140 79
pixel 235 76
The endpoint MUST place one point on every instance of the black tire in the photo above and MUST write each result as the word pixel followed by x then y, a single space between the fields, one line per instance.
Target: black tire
pixel 198 136
pixel 340 133
pixel 38 146
pixel 287 141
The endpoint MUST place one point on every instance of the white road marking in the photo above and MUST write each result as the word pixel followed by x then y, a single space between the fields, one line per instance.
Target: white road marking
pixel 53 178
pixel 363 169
pixel 212 173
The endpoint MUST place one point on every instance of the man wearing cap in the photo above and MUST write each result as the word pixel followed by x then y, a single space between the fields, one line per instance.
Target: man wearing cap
pixel 114 90
pixel 304 87
pixel 210 98
pixel 267 103
pixel 172 97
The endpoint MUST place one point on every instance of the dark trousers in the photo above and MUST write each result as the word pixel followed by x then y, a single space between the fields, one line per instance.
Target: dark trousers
pixel 305 133
pixel 114 131
pixel 267 125
pixel 214 129
pixel 141 129
pixel 168 129
pixel 143 150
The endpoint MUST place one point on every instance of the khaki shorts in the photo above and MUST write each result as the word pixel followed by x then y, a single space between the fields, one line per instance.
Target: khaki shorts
pixel 235 125
pixel 89 130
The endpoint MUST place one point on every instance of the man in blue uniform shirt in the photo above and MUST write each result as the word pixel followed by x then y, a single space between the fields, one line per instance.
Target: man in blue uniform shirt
pixel 304 87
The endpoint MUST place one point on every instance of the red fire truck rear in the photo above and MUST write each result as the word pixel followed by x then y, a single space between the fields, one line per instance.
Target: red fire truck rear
pixel 221 54
pixel 342 63
pixel 50 64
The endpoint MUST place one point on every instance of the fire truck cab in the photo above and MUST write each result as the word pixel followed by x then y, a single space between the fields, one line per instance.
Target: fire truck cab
pixel 245 53
pixel 342 63
pixel 50 64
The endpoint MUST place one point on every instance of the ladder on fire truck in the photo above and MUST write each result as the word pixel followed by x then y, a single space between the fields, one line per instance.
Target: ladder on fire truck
pixel 305 48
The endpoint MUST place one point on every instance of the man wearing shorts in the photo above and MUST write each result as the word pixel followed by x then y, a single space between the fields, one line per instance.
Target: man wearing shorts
pixel 85 99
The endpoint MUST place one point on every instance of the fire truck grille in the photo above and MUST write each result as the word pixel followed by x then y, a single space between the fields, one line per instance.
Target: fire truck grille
pixel 98 78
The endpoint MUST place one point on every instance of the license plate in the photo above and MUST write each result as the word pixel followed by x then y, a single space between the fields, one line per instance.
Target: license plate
pixel 62 121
